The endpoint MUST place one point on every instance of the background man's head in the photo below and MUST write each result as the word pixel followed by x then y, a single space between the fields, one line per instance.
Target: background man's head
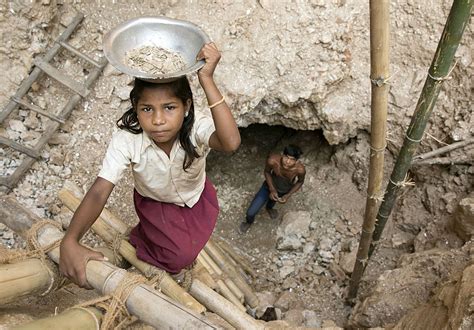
pixel 292 151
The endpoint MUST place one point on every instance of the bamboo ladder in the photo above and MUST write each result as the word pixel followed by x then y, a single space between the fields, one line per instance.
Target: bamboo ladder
pixel 80 89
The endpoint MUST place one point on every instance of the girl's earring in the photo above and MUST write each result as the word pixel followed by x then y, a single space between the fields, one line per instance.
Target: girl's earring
pixel 186 114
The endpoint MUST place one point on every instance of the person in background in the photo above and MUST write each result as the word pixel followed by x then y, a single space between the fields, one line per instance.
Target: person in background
pixel 284 175
pixel 165 145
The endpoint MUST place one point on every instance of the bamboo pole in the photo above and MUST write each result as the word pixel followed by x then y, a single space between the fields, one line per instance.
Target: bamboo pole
pixel 224 308
pixel 204 294
pixel 217 272
pixel 107 229
pixel 74 318
pixel 24 278
pixel 203 275
pixel 379 64
pixel 439 70
pixel 241 261
pixel 30 277
pixel 230 270
pixel 148 305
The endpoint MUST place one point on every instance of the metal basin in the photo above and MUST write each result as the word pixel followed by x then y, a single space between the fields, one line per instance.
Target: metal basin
pixel 176 35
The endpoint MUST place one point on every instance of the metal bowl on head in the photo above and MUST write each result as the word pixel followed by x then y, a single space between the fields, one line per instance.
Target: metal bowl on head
pixel 178 36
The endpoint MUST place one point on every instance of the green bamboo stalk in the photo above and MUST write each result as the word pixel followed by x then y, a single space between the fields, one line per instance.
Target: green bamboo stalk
pixel 379 63
pixel 440 69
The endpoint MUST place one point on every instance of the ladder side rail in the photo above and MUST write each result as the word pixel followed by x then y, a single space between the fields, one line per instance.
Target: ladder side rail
pixel 51 129
pixel 35 73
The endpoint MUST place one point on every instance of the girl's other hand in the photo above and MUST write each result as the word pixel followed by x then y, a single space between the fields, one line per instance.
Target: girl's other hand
pixel 73 259
pixel 211 55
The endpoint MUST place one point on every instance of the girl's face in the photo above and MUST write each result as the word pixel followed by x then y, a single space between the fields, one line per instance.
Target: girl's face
pixel 161 114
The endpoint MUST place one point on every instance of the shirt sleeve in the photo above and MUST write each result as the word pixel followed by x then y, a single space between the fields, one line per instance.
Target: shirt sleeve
pixel 203 128
pixel 117 158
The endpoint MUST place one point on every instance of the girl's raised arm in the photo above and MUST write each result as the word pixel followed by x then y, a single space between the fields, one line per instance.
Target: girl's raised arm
pixel 227 136
pixel 73 256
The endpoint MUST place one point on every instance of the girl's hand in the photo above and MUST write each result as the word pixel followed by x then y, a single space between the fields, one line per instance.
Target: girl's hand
pixel 211 55
pixel 73 259
pixel 283 199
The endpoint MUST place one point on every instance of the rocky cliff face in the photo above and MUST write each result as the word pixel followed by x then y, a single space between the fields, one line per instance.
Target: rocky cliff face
pixel 303 65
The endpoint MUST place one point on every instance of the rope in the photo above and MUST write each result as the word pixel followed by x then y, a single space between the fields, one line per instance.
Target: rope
pixel 446 77
pixel 116 314
pixel 380 81
pixel 35 250
pixel 378 149
pixel 378 198
pixel 405 182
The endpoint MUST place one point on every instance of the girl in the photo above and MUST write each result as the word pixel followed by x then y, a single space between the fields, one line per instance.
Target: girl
pixel 166 148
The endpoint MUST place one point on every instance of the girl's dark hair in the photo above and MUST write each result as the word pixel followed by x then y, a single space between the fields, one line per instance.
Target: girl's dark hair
pixel 181 89
pixel 293 151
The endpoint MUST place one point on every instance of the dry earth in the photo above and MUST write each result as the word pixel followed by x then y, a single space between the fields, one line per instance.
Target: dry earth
pixel 293 73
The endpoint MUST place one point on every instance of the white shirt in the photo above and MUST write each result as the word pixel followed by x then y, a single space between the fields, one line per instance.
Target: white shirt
pixel 156 175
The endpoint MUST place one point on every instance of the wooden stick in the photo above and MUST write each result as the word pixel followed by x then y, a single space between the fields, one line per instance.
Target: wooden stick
pixel 241 261
pixel 439 70
pixel 203 275
pixel 444 161
pixel 147 304
pixel 24 278
pixel 224 308
pixel 30 277
pixel 223 288
pixel 250 296
pixel 105 228
pixel 443 150
pixel 81 319
pixel 379 74
pixel 128 251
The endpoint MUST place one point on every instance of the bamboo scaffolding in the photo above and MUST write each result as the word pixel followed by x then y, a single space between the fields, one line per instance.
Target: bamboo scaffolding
pixel 232 272
pixel 107 230
pixel 379 64
pixel 214 302
pixel 237 258
pixel 24 278
pixel 439 70
pixel 230 260
pixel 148 305
pixel 74 318
pixel 29 277
pixel 216 273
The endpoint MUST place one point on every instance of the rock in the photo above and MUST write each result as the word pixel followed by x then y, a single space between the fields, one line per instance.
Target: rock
pixel 347 261
pixel 463 220
pixel 294 317
pixel 293 227
pixel 265 299
pixel 400 290
pixel 17 125
pixel 286 300
pixel 450 308
pixel 402 239
pixel 311 319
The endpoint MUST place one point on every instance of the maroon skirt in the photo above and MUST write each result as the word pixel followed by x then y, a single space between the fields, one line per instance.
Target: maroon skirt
pixel 171 236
